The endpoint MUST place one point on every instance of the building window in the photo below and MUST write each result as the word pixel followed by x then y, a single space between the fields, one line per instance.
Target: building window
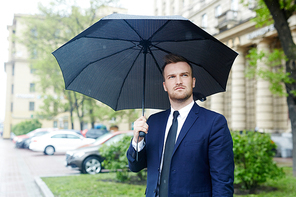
pixel 32 87
pixel 31 106
pixel 32 69
pixel 12 70
pixel 12 89
pixel 55 124
pixel 204 21
pixel 234 5
pixel 11 107
pixel 66 125
pixel 34 54
pixel 218 11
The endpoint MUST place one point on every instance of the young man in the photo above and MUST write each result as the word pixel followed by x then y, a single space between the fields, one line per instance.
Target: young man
pixel 200 162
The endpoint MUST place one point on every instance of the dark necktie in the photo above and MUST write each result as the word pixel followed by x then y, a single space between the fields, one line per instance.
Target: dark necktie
pixel 167 155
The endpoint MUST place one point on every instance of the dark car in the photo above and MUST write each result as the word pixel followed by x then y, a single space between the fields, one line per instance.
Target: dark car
pixel 94 133
pixel 87 158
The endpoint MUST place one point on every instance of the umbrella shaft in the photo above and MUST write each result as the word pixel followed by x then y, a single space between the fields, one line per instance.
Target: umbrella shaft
pixel 144 81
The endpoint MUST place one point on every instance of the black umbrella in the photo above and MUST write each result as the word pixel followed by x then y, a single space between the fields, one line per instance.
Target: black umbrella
pixel 118 60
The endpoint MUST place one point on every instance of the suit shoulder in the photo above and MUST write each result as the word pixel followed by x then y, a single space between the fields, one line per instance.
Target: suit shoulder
pixel 210 112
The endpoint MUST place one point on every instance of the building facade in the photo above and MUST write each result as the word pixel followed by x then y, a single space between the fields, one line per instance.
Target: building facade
pixel 247 103
pixel 23 98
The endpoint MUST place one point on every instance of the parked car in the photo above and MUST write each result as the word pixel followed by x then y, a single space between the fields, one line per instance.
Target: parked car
pixel 94 133
pixel 58 141
pixel 87 158
pixel 20 140
pixel 28 141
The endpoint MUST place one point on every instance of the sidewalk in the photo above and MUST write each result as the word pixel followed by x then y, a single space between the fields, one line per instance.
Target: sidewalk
pixel 20 170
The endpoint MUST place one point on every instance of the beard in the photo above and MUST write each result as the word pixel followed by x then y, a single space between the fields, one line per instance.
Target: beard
pixel 180 97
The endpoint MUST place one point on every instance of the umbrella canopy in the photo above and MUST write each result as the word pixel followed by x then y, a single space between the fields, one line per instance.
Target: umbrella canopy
pixel 118 60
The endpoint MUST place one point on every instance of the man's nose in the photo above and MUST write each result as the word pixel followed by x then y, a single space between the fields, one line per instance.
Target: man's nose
pixel 178 80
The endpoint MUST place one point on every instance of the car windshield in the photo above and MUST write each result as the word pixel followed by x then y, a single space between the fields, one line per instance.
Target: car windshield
pixel 102 138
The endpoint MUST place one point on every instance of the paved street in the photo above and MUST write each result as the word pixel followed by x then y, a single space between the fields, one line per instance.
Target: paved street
pixel 19 167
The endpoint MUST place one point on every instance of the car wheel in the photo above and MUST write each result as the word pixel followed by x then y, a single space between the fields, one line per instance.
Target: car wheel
pixel 91 165
pixel 49 150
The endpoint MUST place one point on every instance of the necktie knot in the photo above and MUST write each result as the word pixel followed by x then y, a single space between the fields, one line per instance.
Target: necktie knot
pixel 175 115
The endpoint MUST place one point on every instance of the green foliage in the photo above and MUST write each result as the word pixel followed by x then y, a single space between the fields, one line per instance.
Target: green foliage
pixel 26 126
pixel 263 15
pixel 115 159
pixel 253 158
pixel 274 72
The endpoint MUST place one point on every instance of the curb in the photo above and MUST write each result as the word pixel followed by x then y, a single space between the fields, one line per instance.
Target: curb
pixel 43 187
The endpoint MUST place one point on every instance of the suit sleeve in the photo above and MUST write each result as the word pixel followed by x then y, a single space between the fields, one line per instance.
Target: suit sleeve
pixel 221 158
pixel 136 166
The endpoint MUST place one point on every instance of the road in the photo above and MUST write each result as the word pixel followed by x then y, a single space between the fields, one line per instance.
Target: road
pixel 19 167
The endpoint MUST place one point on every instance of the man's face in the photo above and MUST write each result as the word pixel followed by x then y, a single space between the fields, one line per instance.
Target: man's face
pixel 178 81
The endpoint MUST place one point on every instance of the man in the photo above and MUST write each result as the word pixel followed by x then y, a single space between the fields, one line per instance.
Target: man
pixel 201 162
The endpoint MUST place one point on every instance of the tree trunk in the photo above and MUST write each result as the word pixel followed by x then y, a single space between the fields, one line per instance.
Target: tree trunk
pixel 71 109
pixel 291 101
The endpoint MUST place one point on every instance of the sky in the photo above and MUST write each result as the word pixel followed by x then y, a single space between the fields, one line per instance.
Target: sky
pixel 11 7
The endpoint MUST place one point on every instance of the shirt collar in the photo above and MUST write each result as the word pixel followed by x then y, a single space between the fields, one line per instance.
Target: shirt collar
pixel 183 111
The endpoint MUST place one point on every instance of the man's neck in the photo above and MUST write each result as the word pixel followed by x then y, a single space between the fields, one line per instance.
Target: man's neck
pixel 177 104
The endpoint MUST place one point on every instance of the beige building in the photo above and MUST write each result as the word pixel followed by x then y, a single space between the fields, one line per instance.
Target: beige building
pixel 22 97
pixel 247 103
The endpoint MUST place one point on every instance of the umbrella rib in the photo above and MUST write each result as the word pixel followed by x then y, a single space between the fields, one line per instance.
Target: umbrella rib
pixel 110 39
pixel 190 62
pixel 127 76
pixel 155 60
pixel 99 60
pixel 158 30
pixel 133 29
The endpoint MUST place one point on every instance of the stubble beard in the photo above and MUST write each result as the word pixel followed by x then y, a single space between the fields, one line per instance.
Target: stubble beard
pixel 180 98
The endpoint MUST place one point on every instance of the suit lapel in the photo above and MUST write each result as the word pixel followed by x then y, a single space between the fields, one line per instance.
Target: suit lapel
pixel 190 120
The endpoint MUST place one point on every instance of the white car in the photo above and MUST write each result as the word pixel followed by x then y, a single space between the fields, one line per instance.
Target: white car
pixel 58 141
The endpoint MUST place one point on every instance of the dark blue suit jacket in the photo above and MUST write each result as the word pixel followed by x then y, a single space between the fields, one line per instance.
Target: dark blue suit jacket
pixel 202 162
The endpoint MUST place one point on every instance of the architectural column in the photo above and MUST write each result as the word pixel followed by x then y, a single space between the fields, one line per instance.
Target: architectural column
pixel 238 97
pixel 264 98
pixel 217 103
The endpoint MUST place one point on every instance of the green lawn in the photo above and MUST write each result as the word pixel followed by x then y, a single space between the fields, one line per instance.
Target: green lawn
pixel 92 185
pixel 100 185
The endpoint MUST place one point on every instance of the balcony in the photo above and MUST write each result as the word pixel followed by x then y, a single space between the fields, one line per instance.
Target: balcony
pixel 227 20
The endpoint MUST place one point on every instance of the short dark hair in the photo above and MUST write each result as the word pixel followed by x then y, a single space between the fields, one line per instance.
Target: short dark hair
pixel 174 58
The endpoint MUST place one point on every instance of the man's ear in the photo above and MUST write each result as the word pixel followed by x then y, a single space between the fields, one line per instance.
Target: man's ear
pixel 193 82
pixel 164 87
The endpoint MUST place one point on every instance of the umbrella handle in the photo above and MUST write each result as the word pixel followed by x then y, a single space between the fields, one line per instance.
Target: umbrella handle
pixel 142 134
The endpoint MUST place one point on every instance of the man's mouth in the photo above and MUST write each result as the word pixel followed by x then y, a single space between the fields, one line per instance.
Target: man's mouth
pixel 179 88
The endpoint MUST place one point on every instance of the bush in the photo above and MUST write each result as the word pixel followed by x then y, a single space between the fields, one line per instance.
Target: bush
pixel 115 159
pixel 253 158
pixel 26 126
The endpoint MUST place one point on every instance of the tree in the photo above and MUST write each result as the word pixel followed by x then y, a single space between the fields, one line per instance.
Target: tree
pixel 55 25
pixel 278 12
